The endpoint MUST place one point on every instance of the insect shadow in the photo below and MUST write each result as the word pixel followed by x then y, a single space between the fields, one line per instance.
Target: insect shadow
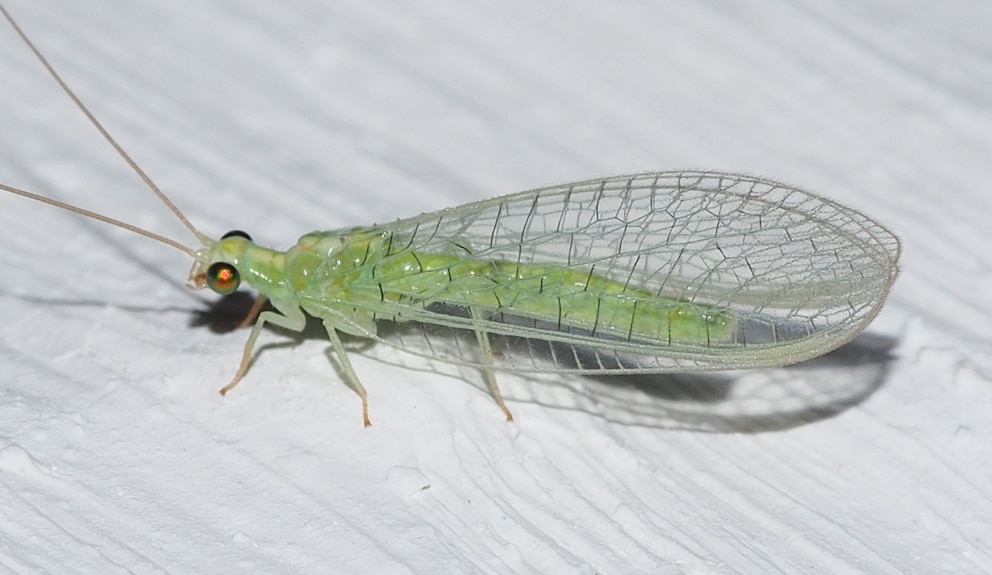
pixel 740 401
pixel 225 314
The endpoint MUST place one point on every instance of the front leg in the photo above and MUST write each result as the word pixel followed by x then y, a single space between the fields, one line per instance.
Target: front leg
pixel 289 316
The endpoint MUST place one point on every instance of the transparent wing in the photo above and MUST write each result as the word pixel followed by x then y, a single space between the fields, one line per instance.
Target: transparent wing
pixel 798 275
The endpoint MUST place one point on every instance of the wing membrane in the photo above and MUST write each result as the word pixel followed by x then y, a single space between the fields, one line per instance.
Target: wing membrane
pixel 799 274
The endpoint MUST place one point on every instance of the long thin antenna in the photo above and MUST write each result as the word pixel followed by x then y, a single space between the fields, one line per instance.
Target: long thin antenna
pixel 100 217
pixel 120 151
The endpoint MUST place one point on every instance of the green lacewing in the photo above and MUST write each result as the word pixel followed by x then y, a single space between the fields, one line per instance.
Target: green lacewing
pixel 642 273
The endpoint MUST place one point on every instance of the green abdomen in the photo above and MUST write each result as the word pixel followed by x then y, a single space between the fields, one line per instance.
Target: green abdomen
pixel 567 298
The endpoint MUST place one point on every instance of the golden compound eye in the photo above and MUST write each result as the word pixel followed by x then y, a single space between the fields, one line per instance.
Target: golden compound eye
pixel 222 278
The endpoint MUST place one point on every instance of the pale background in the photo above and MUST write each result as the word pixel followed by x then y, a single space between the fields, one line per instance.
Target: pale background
pixel 117 454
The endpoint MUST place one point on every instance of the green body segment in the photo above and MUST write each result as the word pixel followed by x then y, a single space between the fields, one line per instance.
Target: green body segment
pixel 365 269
